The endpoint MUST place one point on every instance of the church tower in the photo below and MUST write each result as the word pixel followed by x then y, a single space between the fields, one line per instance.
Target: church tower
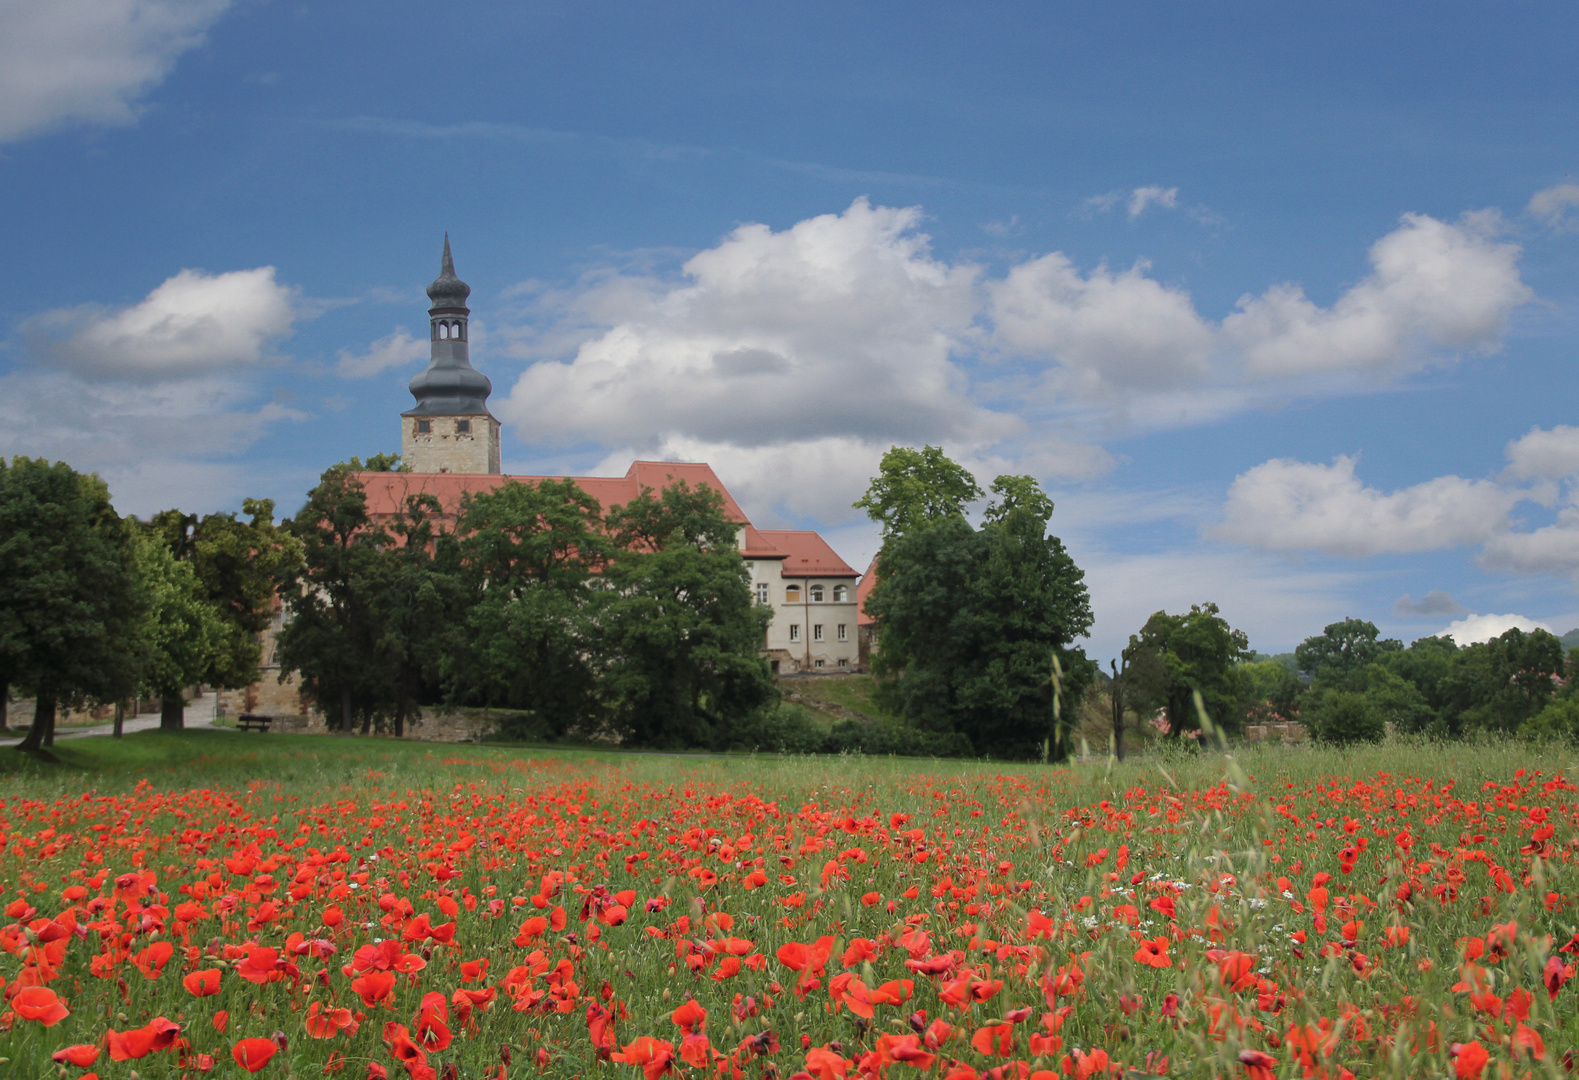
pixel 449 430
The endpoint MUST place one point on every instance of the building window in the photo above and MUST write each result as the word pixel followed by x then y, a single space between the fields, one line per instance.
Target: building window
pixel 841 593
pixel 816 632
pixel 424 427
pixel 842 635
pixel 817 664
pixel 463 427
pixel 794 631
pixel 816 594
pixel 792 594
pixel 844 662
pixel 762 592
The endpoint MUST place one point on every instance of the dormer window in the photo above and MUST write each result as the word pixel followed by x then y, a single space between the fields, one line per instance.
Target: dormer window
pixel 424 427
pixel 463 427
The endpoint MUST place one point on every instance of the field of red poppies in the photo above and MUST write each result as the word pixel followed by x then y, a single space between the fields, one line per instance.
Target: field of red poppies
pixel 368 910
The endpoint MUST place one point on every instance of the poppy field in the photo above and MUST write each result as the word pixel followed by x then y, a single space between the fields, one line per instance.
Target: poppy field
pixel 360 909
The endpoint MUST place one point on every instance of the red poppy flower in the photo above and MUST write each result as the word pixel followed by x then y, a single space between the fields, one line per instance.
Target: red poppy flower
pixel 40 1003
pixel 253 1054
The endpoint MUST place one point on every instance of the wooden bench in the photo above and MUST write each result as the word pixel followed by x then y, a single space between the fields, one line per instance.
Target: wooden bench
pixel 252 722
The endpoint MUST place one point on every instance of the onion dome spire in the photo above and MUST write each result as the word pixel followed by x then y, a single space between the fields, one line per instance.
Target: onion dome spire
pixel 450 386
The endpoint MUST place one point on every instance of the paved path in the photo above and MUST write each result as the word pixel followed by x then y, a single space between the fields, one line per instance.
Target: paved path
pixel 199 714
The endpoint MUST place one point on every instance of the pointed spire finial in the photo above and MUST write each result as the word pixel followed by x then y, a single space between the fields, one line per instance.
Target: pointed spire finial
pixel 448 291
pixel 449 264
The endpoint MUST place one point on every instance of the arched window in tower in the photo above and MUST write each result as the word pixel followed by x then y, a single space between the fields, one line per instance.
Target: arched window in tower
pixel 816 594
pixel 460 331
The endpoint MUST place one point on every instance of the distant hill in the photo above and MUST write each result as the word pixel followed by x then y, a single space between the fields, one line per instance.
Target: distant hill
pixel 1570 640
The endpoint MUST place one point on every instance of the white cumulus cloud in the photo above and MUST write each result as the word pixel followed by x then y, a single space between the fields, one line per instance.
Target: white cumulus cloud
pixel 1433 285
pixel 89 61
pixel 1545 454
pixel 1473 629
pixel 1285 505
pixel 1555 206
pixel 842 325
pixel 1107 331
pixel 194 323
pixel 396 349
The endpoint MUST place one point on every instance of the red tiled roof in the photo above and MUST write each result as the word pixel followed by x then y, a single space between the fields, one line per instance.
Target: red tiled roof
pixel 806 554
pixel 862 591
pixel 758 548
pixel 387 491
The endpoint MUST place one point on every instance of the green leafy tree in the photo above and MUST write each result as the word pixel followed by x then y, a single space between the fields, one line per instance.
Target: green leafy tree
pixel 915 488
pixel 1271 690
pixel 70 605
pixel 330 634
pixel 1396 700
pixel 530 551
pixel 678 632
pixel 1344 717
pixel 416 603
pixel 1338 658
pixel 1501 684
pixel 182 633
pixel 238 565
pixel 973 619
pixel 1424 664
pixel 1193 653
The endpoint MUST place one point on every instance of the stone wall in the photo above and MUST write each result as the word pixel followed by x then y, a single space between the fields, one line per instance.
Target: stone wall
pixel 1288 732
pixel 433 725
pixel 443 449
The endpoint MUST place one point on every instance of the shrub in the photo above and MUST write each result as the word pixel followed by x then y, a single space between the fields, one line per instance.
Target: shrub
pixel 1559 719
pixel 1344 716
pixel 787 729
pixel 872 737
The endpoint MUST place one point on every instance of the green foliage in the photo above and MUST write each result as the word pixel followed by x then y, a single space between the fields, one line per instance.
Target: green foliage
pixel 1193 653
pixel 971 621
pixel 1397 700
pixel 528 551
pixel 786 729
pixel 1338 658
pixel 70 607
pixel 329 636
pixel 680 515
pixel 181 634
pixel 1559 719
pixel 1500 684
pixel 1270 689
pixel 916 488
pixel 1343 717
pixel 1425 664
pixel 381 462
pixel 238 565
pixel 679 634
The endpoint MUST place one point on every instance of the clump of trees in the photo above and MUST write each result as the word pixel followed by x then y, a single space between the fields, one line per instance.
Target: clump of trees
pixel 96 608
pixel 976 624
pixel 636 622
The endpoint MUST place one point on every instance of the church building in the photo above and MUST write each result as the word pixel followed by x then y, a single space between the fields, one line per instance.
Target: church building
pixel 450 442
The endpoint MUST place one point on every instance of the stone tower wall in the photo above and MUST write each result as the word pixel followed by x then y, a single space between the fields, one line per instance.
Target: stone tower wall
pixel 443 449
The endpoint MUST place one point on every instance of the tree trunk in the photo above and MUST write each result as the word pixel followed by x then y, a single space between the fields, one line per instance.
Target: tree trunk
pixel 345 708
pixel 172 713
pixel 43 724
pixel 1118 711
pixel 120 719
pixel 5 701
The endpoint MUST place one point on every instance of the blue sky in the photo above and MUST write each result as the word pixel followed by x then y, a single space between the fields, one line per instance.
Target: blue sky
pixel 1279 301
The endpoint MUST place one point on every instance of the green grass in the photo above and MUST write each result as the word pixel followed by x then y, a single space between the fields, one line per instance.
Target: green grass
pixel 853 692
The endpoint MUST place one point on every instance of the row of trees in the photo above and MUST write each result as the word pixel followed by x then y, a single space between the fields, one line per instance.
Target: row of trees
pixel 638 621
pixel 97 608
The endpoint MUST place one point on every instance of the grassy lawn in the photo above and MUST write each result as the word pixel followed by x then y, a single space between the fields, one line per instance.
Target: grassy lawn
pixel 852 692
pixel 1198 907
